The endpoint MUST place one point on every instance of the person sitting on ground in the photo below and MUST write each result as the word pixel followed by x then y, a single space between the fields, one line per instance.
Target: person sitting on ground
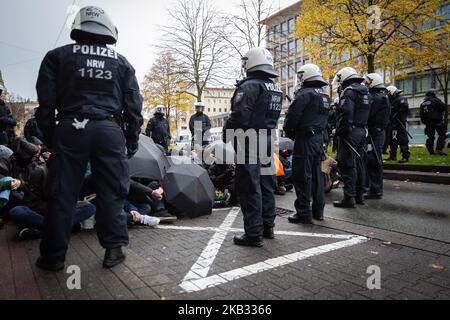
pixel 135 218
pixel 148 198
pixel 222 177
pixel 285 182
pixel 29 213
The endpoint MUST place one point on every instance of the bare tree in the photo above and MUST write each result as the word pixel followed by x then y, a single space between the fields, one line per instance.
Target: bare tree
pixel 249 32
pixel 197 39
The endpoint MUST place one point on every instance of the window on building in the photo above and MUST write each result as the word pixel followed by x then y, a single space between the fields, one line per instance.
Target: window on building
pixel 275 53
pixel 284 28
pixel 225 110
pixel 298 65
pixel 220 110
pixel 298 46
pixel 270 34
pixel 406 85
pixel 291 91
pixel 283 73
pixel 209 109
pixel 291 72
pixel 277 32
pixel 215 110
pixel 291 25
pixel 445 12
pixel 291 47
pixel 284 51
pixel 424 83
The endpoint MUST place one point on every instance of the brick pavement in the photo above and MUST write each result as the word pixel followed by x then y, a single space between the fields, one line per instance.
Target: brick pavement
pixel 159 259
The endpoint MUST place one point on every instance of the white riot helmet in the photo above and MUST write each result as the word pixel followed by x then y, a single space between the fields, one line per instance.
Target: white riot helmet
pixel 345 74
pixel 374 80
pixel 93 21
pixel 310 72
pixel 393 90
pixel 259 59
pixel 159 109
pixel 199 106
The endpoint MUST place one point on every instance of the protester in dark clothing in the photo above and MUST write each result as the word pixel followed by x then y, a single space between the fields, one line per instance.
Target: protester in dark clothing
pixel 32 129
pixel 380 110
pixel 199 125
pixel 137 218
pixel 432 112
pixel 158 129
pixel 7 122
pixel 398 125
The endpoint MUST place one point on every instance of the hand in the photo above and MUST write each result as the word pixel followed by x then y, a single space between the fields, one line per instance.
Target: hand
pixel 136 216
pixel 15 184
pixel 46 155
pixel 158 194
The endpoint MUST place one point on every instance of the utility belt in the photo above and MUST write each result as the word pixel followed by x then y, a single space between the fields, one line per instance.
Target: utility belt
pixel 80 122
pixel 308 132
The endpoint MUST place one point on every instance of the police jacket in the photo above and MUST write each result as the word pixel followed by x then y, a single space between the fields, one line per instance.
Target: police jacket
pixel 158 129
pixel 199 117
pixel 353 109
pixel 380 110
pixel 6 118
pixel 256 104
pixel 307 114
pixel 399 113
pixel 88 81
pixel 432 111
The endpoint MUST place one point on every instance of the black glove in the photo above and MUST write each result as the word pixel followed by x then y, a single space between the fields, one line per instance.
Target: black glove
pixel 132 149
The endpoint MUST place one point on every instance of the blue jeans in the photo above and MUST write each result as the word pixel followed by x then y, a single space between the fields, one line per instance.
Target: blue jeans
pixel 144 209
pixel 24 217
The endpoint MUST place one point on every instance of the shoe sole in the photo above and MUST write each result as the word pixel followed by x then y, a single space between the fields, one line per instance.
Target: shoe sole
pixel 108 265
pixel 249 245
pixel 51 269
pixel 301 222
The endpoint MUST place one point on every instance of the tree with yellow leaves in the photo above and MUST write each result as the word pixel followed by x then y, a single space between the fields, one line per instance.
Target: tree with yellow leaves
pixel 165 85
pixel 366 34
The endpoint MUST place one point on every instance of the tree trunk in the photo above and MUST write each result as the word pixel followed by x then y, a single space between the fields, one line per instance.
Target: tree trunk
pixel 370 63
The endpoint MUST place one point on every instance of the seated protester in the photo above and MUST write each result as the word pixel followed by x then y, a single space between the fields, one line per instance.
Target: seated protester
pixel 285 182
pixel 134 217
pixel 222 177
pixel 28 214
pixel 148 198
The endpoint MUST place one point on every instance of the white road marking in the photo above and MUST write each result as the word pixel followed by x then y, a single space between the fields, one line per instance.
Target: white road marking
pixel 197 278
pixel 201 267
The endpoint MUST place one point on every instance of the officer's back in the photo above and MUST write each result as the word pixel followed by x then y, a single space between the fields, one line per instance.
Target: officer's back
pixel 432 109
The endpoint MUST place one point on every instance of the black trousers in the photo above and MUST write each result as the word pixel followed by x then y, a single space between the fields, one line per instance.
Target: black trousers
pixel 374 164
pixel 430 132
pixel 351 167
pixel 257 198
pixel 399 137
pixel 103 144
pixel 308 177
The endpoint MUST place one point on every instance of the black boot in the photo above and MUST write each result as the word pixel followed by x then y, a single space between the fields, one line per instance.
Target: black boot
pixel 374 196
pixel 49 265
pixel 441 153
pixel 360 199
pixel 296 219
pixel 347 202
pixel 246 241
pixel 404 160
pixel 113 257
pixel 268 233
pixel 318 216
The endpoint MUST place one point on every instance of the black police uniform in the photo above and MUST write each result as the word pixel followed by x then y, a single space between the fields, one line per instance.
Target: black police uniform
pixel 432 115
pixel 93 89
pixel 398 121
pixel 32 129
pixel 351 120
pixel 256 104
pixel 202 118
pixel 7 124
pixel 306 121
pixel 380 111
pixel 158 130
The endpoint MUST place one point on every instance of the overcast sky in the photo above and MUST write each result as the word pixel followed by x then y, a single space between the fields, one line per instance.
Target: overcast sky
pixel 30 28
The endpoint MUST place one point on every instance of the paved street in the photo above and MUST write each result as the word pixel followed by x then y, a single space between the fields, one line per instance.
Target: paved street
pixel 406 236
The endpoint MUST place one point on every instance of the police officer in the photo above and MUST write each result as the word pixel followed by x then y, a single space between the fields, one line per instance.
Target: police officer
pixel 432 115
pixel 198 121
pixel 398 121
pixel 158 128
pixel 7 122
pixel 32 129
pixel 351 121
pixel 380 110
pixel 255 110
pixel 306 122
pixel 95 91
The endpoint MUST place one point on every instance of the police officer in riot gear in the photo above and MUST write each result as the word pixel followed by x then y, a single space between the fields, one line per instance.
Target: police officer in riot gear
pixel 398 122
pixel 351 120
pixel 380 110
pixel 432 115
pixel 306 122
pixel 158 128
pixel 7 122
pixel 199 120
pixel 96 94
pixel 255 110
